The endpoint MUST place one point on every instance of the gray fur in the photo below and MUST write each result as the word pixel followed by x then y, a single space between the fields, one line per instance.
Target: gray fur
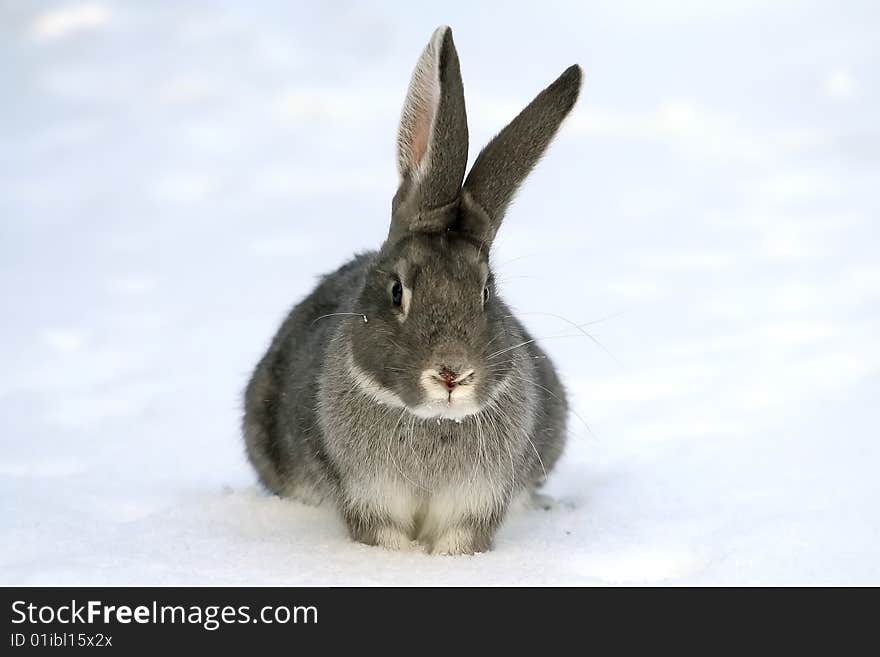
pixel 336 409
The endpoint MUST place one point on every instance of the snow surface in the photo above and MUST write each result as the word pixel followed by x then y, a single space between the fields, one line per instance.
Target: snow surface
pixel 174 176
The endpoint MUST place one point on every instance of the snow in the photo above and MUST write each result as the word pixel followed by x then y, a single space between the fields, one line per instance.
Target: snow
pixel 174 177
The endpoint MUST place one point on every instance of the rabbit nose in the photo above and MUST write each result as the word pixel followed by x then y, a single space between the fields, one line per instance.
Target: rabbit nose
pixel 451 378
pixel 448 378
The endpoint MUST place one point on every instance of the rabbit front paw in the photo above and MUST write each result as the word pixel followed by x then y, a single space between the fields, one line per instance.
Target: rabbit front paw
pixel 392 538
pixel 460 540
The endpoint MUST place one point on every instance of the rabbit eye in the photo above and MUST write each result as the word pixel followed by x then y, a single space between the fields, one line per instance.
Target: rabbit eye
pixel 485 295
pixel 397 293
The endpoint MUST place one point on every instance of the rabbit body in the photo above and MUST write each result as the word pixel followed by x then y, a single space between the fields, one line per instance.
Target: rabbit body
pixel 402 390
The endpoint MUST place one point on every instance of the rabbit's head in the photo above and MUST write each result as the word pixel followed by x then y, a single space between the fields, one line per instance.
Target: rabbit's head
pixel 437 339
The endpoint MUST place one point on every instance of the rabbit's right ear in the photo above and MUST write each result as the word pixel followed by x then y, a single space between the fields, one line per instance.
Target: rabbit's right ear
pixel 432 141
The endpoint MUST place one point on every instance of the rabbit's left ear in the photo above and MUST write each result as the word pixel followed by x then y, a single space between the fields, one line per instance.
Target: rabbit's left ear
pixel 504 163
pixel 432 141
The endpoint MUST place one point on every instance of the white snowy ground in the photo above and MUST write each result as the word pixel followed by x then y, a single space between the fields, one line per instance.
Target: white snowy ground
pixel 173 178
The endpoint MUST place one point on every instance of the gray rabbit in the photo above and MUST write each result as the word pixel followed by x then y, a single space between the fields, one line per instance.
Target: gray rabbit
pixel 402 389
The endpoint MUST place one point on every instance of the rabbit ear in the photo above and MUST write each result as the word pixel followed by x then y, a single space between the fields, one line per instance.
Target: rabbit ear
pixel 432 140
pixel 503 164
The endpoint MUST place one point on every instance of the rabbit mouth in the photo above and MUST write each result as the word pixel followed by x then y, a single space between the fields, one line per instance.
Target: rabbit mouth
pixel 444 409
pixel 448 395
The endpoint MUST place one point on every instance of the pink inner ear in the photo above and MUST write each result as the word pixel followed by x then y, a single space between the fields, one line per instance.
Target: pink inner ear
pixel 420 108
pixel 421 131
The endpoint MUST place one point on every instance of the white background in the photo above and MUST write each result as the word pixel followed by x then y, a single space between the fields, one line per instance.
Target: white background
pixel 173 178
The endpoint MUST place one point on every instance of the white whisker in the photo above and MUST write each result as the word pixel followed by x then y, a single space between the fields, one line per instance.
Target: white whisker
pixel 336 314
